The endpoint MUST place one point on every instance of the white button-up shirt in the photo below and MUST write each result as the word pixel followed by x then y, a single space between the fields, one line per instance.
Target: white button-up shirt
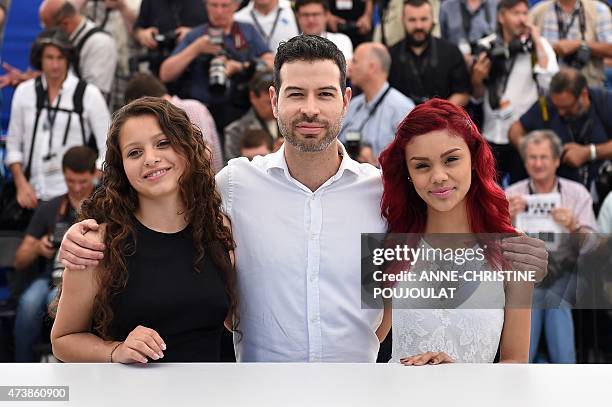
pixel 298 260
pixel 96 118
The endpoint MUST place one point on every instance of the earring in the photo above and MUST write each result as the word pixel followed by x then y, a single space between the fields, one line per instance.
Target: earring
pixel 409 180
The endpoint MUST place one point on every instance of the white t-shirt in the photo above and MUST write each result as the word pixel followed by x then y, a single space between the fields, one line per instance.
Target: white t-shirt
pixel 275 29
pixel 343 42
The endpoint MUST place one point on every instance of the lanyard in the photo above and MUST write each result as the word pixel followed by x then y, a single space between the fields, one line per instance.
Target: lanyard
pixel 267 37
pixel 51 116
pixel 564 29
pixel 430 61
pixel 467 17
pixel 372 111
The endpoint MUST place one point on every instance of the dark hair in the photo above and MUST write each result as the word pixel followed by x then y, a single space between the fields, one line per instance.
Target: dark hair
pixel 50 37
pixel 416 3
pixel 302 3
pixel 79 159
pixel 114 204
pixel 143 84
pixel 308 48
pixel 261 82
pixel 568 80
pixel 253 138
pixel 509 4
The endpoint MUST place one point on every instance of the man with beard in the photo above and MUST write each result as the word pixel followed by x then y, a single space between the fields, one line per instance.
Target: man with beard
pixel 297 217
pixel 508 84
pixel 424 66
pixel 581 116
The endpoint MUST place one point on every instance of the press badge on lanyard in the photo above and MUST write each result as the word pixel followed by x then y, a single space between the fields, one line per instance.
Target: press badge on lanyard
pixel 344 4
pixel 505 110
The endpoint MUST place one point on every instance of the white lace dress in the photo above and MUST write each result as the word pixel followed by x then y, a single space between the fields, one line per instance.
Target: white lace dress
pixel 469 334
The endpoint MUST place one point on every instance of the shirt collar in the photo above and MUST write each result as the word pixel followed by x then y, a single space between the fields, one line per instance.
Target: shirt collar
pixel 576 7
pixel 277 160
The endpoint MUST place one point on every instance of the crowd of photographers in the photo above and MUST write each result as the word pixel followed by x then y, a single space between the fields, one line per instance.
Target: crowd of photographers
pixel 517 67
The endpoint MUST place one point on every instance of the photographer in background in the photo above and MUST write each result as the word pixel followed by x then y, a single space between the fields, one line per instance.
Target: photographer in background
pixel 353 18
pixel 580 32
pixel 42 239
pixel 476 20
pixel 162 24
pixel 582 118
pixel 216 60
pixel 511 71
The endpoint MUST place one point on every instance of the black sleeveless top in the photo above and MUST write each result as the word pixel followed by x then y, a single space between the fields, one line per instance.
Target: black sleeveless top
pixel 164 293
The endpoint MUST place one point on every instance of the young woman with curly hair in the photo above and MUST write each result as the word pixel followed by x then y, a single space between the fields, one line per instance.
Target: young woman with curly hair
pixel 166 284
pixel 439 178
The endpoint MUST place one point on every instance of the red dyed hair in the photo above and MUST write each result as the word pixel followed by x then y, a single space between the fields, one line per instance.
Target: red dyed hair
pixel 404 209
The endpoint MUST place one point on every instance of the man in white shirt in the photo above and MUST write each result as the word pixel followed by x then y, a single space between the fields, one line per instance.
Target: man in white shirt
pixel 58 126
pixel 297 216
pixel 96 51
pixel 274 19
pixel 312 18
pixel 509 84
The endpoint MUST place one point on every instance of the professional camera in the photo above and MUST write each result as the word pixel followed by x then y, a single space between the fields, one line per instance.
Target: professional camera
pixel 217 79
pixel 353 143
pixel 490 46
pixel 347 26
pixel 495 49
pixel 580 58
pixel 58 234
pixel 166 42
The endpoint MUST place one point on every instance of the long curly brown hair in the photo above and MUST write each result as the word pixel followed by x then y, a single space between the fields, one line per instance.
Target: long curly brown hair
pixel 115 202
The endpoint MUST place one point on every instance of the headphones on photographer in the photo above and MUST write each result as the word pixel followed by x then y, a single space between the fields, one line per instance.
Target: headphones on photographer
pixel 55 37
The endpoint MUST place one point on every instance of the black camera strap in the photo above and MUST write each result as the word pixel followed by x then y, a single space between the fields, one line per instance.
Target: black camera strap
pixel 430 61
pixel 51 116
pixel 467 17
pixel 371 112
pixel 267 37
pixel 563 29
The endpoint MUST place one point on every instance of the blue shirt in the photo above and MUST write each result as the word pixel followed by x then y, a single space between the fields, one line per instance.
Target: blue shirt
pixel 483 20
pixel 600 114
pixel 194 80
pixel 379 129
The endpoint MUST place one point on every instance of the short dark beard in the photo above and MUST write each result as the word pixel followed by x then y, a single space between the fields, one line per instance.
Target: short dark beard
pixel 411 42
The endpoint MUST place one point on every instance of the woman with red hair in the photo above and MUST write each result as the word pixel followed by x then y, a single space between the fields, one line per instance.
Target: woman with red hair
pixel 439 178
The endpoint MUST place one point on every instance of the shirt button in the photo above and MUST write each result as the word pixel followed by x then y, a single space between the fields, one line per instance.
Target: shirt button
pixel 314 319
pixel 313 278
pixel 313 236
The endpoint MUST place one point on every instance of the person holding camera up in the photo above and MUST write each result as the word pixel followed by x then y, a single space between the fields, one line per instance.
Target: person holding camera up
pixel 161 24
pixel 580 32
pixel 214 55
pixel 582 117
pixel 477 21
pixel 423 66
pixel 42 239
pixel 512 69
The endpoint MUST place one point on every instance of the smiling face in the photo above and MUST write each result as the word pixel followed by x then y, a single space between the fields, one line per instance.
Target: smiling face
pixel 440 165
pixel 310 104
pixel 153 167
